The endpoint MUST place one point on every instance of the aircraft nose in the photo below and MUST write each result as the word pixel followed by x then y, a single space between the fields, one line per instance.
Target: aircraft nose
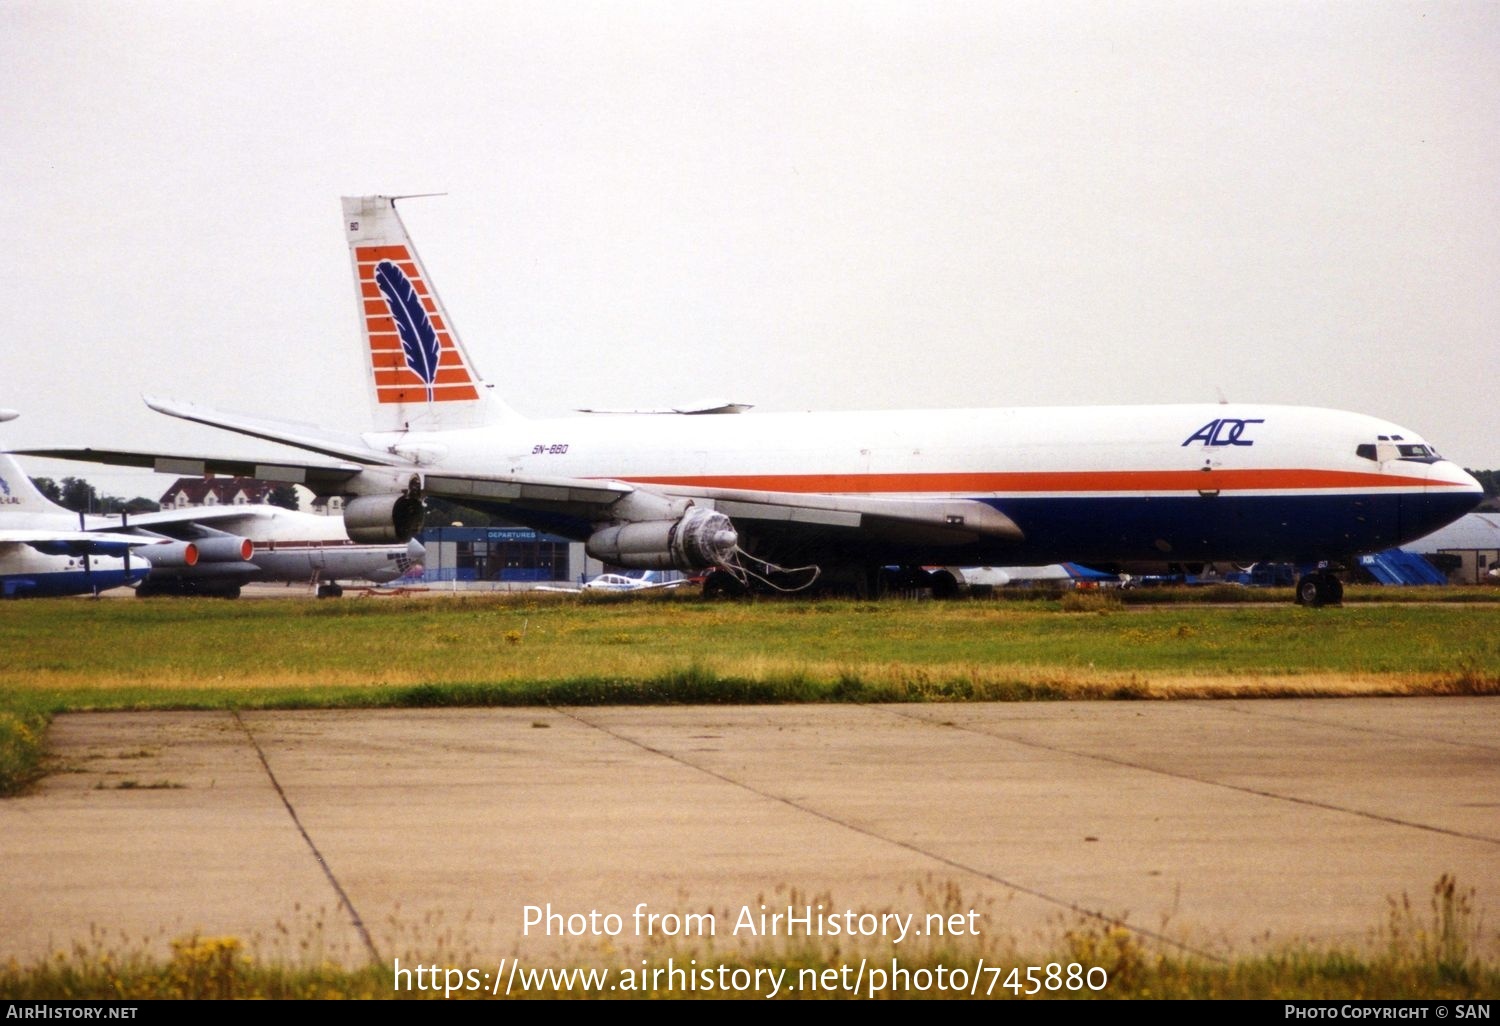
pixel 1448 494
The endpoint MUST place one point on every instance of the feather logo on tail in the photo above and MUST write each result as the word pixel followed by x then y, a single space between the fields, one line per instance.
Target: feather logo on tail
pixel 419 342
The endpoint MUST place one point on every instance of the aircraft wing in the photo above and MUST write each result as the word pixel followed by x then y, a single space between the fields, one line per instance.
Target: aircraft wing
pixel 193 516
pixel 904 521
pixel 75 543
pixel 562 493
pixel 785 523
pixel 768 515
pixel 323 478
pixel 898 521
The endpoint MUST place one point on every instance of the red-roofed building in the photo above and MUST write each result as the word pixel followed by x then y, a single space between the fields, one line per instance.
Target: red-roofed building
pixel 216 491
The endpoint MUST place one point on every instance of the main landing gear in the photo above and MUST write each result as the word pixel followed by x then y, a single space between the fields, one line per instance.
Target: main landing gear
pixel 1319 588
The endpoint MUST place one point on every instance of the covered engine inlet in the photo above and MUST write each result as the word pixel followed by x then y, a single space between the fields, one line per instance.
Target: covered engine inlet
pixel 700 539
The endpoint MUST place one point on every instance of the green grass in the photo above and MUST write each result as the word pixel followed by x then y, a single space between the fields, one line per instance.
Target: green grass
pixel 148 649
pixel 74 655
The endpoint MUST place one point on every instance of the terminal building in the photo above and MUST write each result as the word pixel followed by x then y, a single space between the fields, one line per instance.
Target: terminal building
pixel 513 557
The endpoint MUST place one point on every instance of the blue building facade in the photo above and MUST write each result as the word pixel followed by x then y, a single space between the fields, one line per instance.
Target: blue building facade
pixel 510 555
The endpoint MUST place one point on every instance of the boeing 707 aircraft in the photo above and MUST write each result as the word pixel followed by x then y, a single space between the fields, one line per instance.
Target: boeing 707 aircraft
pixel 778 500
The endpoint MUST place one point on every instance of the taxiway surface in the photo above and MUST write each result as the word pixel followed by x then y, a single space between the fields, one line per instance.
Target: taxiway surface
pixel 434 835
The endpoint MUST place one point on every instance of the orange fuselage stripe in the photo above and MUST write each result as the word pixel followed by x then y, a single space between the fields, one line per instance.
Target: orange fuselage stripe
pixel 1294 479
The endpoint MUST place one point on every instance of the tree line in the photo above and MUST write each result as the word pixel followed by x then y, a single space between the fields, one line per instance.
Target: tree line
pixel 76 494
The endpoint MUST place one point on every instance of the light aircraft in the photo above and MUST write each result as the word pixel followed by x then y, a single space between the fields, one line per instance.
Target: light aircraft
pixel 747 495
pixel 618 584
pixel 651 580
pixel 209 551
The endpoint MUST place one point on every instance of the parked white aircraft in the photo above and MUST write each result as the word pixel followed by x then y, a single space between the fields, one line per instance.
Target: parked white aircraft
pixel 45 550
pixel 48 566
pixel 840 493
pixel 275 545
pixel 651 580
pixel 616 584
pixel 191 551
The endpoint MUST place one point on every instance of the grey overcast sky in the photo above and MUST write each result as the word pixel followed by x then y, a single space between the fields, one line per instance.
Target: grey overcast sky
pixel 795 205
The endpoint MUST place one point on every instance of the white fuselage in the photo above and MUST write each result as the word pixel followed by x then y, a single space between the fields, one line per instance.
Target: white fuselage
pixel 1091 483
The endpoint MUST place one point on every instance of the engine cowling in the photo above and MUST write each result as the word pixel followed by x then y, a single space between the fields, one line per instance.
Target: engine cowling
pixel 170 555
pixel 699 539
pixel 227 549
pixel 382 519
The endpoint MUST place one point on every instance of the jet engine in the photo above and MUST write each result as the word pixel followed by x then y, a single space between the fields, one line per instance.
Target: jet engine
pixel 170 554
pixel 226 549
pixel 699 539
pixel 383 519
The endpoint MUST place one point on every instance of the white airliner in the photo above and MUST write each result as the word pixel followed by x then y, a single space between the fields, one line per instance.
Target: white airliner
pixel 777 499
pixel 48 550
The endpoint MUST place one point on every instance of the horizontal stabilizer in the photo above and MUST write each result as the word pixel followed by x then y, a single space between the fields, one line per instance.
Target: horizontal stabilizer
pixel 302 436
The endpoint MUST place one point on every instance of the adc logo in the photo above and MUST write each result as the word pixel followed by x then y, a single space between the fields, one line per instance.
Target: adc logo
pixel 1225 431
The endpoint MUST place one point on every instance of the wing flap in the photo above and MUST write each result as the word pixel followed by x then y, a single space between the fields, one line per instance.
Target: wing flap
pixel 924 521
pixel 524 489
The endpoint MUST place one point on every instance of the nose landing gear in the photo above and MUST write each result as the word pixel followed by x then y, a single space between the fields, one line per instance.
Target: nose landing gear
pixel 1319 588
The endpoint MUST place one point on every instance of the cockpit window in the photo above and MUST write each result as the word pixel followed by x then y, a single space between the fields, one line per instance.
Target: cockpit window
pixel 1409 451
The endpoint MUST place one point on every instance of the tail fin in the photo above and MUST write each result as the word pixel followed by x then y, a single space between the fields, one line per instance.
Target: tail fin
pixel 421 377
pixel 18 494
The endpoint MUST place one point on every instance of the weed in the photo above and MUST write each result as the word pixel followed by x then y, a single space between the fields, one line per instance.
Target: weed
pixel 1445 940
pixel 22 732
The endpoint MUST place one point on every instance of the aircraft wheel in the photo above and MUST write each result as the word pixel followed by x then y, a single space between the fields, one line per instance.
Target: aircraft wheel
pixel 330 591
pixel 1320 589
pixel 1308 592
